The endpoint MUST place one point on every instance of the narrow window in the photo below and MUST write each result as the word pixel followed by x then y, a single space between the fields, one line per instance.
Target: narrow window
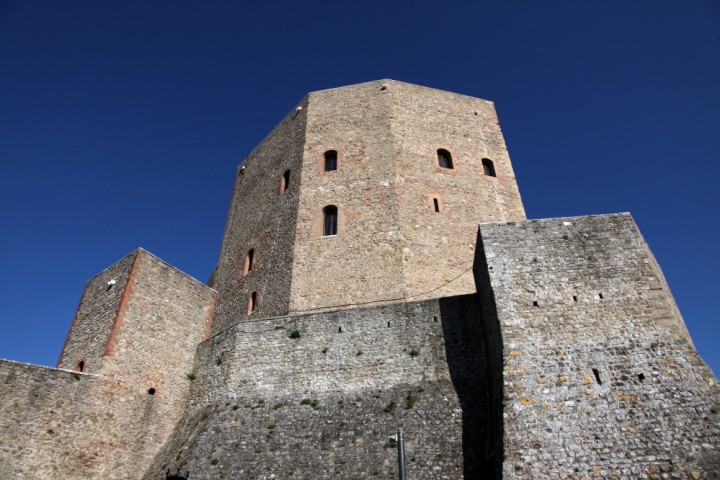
pixel 252 302
pixel 285 182
pixel 488 167
pixel 597 376
pixel 249 261
pixel 151 391
pixel 444 159
pixel 641 377
pixel 330 214
pixel 80 366
pixel 437 205
pixel 330 161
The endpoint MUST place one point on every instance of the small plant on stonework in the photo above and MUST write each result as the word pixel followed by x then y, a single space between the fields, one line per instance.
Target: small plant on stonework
pixel 389 407
pixel 295 334
pixel 214 461
pixel 358 353
pixel 218 362
pixel 409 401
pixel 50 431
pixel 272 427
pixel 325 350
pixel 235 407
pixel 222 475
pixel 278 406
pixel 341 403
pixel 305 401
pixel 390 444
pixel 76 376
pixel 414 353
pixel 190 376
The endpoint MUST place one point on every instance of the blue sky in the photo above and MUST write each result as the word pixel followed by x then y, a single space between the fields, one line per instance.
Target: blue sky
pixel 121 124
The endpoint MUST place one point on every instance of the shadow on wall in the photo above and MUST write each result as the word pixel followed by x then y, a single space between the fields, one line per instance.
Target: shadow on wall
pixel 473 347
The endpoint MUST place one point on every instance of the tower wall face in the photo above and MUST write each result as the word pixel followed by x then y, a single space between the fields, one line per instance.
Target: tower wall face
pixel 391 242
pixel 263 219
pixel 439 246
pixel 598 371
pixel 97 313
pixel 362 262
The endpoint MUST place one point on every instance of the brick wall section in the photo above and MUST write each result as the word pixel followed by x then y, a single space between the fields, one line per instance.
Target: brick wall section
pixel 264 405
pixel 108 425
pixel 439 246
pixel 95 317
pixel 263 219
pixel 652 411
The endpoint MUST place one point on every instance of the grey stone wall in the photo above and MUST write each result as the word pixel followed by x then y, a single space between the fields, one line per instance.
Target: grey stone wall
pixel 320 403
pixel 600 379
pixel 263 219
pixel 41 412
pixel 95 317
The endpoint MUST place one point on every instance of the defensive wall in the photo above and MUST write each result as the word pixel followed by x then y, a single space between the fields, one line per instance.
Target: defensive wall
pixel 109 423
pixel 600 378
pixel 316 396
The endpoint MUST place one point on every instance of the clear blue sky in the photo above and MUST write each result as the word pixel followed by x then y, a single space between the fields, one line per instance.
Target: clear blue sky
pixel 122 122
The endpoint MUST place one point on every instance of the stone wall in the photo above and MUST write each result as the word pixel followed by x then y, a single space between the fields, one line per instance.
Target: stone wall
pixel 439 246
pixel 263 219
pixel 600 377
pixel 60 424
pixel 41 411
pixel 317 396
pixel 96 315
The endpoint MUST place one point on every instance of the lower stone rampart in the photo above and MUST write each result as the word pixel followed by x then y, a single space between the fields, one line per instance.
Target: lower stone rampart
pixel 317 396
pixel 42 411
pixel 600 379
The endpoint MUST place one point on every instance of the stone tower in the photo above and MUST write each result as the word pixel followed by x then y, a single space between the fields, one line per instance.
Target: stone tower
pixel 406 172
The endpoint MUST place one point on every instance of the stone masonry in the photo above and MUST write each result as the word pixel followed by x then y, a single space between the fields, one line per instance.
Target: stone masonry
pixel 541 349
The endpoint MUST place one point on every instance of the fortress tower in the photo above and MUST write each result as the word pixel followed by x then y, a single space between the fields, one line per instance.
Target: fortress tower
pixel 402 174
pixel 377 272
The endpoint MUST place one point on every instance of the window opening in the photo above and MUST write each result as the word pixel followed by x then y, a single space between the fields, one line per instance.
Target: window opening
pixel 330 161
pixel 574 298
pixel 597 376
pixel 249 261
pixel 339 329
pixel 285 182
pixel 600 296
pixel 535 304
pixel 437 204
pixel 330 214
pixel 388 324
pixel 641 377
pixel 151 391
pixel 252 302
pixel 434 319
pixel 444 159
pixel 80 366
pixel 488 167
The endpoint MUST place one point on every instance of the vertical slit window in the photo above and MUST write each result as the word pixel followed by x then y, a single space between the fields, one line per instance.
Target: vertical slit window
pixel 249 262
pixel 436 204
pixel 330 220
pixel 444 159
pixel 488 167
pixel 252 302
pixel 285 182
pixel 330 161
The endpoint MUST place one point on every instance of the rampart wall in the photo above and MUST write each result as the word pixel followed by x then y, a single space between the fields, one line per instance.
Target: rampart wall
pixel 317 396
pixel 600 377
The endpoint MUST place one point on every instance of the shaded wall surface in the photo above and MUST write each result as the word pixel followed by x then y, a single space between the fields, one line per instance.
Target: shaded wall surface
pixel 317 396
pixel 600 378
